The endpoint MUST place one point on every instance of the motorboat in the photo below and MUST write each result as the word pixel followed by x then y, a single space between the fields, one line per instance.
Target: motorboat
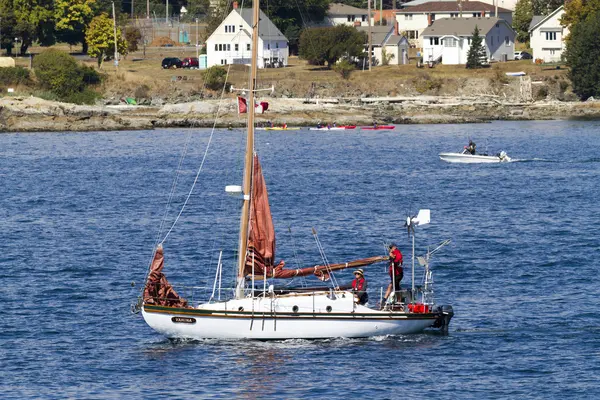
pixel 467 158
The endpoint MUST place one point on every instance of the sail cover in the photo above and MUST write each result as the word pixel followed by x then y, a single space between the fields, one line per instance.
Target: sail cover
pixel 158 290
pixel 261 240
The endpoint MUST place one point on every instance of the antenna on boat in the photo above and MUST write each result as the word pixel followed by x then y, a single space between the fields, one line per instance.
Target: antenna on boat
pixel 422 218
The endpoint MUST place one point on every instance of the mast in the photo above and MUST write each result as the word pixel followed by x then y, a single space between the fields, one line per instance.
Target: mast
pixel 248 160
pixel 370 32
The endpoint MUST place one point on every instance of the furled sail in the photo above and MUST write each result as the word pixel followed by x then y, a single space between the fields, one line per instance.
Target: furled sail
pixel 261 240
pixel 158 290
pixel 261 233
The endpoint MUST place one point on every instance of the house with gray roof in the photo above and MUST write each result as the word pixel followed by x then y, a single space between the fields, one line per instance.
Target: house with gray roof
pixel 387 39
pixel 413 20
pixel 547 36
pixel 231 42
pixel 448 40
pixel 342 14
pixel 508 4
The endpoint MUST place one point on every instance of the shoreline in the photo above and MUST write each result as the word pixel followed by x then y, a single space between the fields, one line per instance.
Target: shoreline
pixel 30 114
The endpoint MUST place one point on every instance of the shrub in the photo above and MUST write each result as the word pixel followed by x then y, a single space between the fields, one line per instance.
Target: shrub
pixel 344 68
pixel 142 92
pixel 58 72
pixel 215 78
pixel 87 96
pixel 14 75
pixel 132 37
pixel 91 76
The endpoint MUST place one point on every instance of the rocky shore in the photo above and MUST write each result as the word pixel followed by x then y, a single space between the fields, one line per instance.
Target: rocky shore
pixel 30 114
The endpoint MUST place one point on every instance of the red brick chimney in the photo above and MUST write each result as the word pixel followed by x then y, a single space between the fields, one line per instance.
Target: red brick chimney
pixel 396 27
pixel 428 19
pixel 235 5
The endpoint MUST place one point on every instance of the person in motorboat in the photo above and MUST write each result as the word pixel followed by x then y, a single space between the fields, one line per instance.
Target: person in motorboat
pixel 395 270
pixel 359 287
pixel 471 147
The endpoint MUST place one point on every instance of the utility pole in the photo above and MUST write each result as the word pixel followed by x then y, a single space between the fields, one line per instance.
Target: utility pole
pixel 115 31
pixel 167 12
pixel 132 9
pixel 147 9
pixel 197 51
pixel 370 31
pixel 0 35
pixel 496 6
pixel 380 11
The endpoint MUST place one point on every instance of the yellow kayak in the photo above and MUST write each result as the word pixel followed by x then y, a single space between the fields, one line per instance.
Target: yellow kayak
pixel 278 128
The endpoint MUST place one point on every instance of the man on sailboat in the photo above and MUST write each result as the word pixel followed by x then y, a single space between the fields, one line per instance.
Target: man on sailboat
pixel 359 287
pixel 395 271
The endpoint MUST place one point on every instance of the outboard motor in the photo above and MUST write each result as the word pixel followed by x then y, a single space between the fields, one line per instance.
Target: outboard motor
pixel 445 314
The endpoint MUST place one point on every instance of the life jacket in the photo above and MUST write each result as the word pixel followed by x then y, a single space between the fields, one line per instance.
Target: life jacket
pixel 358 284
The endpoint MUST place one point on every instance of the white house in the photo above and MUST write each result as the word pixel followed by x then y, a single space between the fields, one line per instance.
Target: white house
pixel 547 35
pixel 413 20
pixel 231 42
pixel 508 4
pixel 342 14
pixel 448 40
pixel 388 38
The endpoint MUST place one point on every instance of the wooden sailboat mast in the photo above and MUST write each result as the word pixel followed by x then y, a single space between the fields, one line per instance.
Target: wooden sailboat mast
pixel 248 160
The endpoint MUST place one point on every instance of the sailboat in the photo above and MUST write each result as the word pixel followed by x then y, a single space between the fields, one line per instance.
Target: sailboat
pixel 268 313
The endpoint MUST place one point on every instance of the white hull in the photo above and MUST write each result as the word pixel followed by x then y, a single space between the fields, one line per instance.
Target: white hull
pixel 274 319
pixel 333 128
pixel 472 159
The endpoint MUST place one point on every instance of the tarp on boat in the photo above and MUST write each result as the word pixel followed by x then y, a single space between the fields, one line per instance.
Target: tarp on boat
pixel 158 290
pixel 261 240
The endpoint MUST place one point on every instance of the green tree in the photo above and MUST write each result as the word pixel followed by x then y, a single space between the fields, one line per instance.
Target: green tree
pixel 215 77
pixel 328 45
pixel 522 19
pixel 26 21
pixel 344 68
pixel 72 19
pixel 101 40
pixel 545 7
pixel 583 55
pixel 476 55
pixel 578 10
pixel 58 72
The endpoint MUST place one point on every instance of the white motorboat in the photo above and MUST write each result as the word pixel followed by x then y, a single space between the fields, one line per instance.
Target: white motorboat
pixel 467 158
pixel 255 309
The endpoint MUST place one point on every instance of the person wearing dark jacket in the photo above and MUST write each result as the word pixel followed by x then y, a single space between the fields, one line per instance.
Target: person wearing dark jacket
pixel 395 270
pixel 359 287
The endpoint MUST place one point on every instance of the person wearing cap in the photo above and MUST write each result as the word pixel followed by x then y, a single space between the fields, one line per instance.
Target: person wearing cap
pixel 395 270
pixel 359 287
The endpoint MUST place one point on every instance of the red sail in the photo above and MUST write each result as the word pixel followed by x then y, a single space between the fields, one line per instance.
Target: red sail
pixel 261 235
pixel 158 290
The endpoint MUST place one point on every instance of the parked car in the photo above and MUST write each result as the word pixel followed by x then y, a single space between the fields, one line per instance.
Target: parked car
pixel 522 55
pixel 172 62
pixel 190 62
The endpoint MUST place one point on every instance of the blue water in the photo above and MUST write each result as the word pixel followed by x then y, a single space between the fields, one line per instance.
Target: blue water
pixel 81 212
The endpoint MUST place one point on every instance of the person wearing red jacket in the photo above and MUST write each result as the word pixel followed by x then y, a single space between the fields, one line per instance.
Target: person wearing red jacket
pixel 359 287
pixel 395 270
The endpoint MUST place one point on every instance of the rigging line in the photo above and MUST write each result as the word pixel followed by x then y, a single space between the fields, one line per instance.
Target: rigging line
pixel 296 258
pixel 324 257
pixel 212 133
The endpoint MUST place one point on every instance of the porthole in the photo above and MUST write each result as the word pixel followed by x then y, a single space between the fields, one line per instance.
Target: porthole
pixel 241 309
pixel 328 308
pixel 295 309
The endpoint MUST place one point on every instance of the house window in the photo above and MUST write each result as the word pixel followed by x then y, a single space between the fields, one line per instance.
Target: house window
pixel 497 25
pixel 350 18
pixel 453 15
pixel 220 47
pixel 268 46
pixel 364 18
pixel 450 42
pixel 469 41
pixel 248 46
pixel 408 17
pixel 228 47
pixel 276 45
pixel 413 34
pixel 229 28
pixel 434 41
pixel 552 52
pixel 507 40
pixel 432 17
pixel 216 47
pixel 236 47
pixel 223 62
pixel 477 14
pixel 550 35
pixel 491 37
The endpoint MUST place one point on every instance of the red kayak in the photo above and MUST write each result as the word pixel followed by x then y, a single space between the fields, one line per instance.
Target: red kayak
pixel 378 128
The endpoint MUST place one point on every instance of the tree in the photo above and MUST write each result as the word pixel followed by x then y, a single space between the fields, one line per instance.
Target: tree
pixel 344 68
pixel 578 10
pixel 132 36
pixel 58 72
pixel 582 55
pixel 101 40
pixel 476 54
pixel 522 19
pixel 321 45
pixel 72 19
pixel 215 77
pixel 26 21
pixel 545 7
pixel 385 57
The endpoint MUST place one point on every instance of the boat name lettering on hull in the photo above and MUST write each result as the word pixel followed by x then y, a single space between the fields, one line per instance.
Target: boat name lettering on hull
pixel 183 320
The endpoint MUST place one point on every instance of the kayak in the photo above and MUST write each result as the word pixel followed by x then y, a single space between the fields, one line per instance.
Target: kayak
pixel 333 128
pixel 468 158
pixel 278 128
pixel 378 128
